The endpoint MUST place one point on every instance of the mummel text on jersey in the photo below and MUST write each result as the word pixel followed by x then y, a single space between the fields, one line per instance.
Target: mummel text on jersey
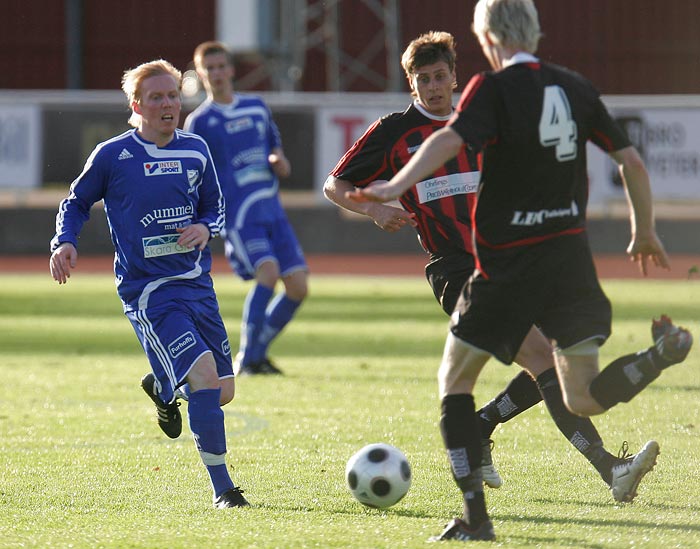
pixel 131 175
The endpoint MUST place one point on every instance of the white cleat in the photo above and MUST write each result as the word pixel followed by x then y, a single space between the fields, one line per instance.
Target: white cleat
pixel 489 473
pixel 630 470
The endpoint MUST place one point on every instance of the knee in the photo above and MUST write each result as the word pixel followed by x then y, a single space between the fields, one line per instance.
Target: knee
pixel 203 374
pixel 267 274
pixel 228 391
pixel 535 354
pixel 297 288
pixel 583 405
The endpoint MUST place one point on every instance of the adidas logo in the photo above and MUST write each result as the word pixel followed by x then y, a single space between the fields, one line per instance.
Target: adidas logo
pixel 124 155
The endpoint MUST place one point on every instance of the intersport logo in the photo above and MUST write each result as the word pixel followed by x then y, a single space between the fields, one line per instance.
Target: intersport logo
pixel 162 168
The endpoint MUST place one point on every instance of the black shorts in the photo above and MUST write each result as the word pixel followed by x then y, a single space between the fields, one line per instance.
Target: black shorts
pixel 447 275
pixel 552 285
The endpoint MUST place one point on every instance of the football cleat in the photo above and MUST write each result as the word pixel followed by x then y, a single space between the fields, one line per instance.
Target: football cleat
pixel 629 470
pixel 459 530
pixel 264 367
pixel 673 343
pixel 489 473
pixel 231 498
pixel 169 418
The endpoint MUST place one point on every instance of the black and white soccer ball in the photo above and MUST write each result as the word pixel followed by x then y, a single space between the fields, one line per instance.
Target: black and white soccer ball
pixel 379 475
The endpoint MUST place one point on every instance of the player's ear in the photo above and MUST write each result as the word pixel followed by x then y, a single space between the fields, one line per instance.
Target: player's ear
pixel 136 107
pixel 411 83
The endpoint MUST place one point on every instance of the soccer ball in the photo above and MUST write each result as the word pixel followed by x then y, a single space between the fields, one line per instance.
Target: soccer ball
pixel 378 475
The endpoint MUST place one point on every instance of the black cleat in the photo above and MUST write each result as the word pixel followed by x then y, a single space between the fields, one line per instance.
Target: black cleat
pixel 169 418
pixel 231 498
pixel 459 530
pixel 264 367
pixel 672 342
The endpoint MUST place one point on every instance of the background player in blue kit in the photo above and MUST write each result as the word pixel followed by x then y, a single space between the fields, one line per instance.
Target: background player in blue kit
pixel 260 242
pixel 443 224
pixel 163 204
pixel 530 122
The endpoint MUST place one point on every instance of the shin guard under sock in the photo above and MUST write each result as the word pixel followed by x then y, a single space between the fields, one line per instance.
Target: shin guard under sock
pixel 623 379
pixel 462 439
pixel 280 311
pixel 253 321
pixel 207 426
pixel 521 394
pixel 579 431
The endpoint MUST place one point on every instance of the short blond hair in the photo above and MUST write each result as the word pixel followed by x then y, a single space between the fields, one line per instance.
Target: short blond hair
pixel 510 23
pixel 133 78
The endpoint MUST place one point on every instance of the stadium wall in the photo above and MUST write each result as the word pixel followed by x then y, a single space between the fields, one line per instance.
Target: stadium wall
pixel 321 230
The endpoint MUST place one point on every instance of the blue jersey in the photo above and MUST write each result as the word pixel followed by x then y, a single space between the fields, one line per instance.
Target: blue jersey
pixel 241 136
pixel 148 193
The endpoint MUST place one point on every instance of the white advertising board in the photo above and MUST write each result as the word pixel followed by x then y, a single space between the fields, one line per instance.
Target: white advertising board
pixel 338 127
pixel 668 140
pixel 20 146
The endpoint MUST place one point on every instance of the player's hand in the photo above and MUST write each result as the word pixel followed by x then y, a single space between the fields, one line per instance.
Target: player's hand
pixel 280 165
pixel 63 259
pixel 377 191
pixel 391 219
pixel 194 236
pixel 643 249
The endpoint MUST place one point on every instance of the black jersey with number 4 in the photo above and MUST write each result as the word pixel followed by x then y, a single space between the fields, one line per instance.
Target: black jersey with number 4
pixel 442 202
pixel 531 122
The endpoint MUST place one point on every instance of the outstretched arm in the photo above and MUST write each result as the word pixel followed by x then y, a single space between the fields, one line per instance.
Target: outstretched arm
pixel 645 244
pixel 432 154
pixel 388 218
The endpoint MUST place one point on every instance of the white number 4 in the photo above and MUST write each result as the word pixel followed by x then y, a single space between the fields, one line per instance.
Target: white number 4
pixel 557 128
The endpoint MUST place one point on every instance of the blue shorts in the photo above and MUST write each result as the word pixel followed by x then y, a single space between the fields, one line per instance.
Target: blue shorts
pixel 254 243
pixel 177 333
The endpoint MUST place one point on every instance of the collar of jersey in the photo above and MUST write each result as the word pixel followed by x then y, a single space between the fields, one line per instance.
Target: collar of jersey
pixel 520 57
pixel 425 113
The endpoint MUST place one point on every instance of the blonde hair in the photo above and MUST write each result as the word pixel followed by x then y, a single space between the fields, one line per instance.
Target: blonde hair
pixel 509 23
pixel 133 78
pixel 429 48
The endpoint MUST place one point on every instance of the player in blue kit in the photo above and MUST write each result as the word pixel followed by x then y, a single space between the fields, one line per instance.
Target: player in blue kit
pixel 529 121
pixel 260 242
pixel 163 204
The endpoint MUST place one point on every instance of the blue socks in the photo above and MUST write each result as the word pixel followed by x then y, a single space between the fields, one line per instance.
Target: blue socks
pixel 253 321
pixel 207 426
pixel 263 322
pixel 277 316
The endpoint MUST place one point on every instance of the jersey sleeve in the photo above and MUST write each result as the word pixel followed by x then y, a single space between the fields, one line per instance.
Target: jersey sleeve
pixel 274 139
pixel 366 160
pixel 606 133
pixel 475 119
pixel 211 207
pixel 74 210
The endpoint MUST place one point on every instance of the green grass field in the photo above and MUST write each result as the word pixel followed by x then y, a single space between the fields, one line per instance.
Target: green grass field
pixel 83 463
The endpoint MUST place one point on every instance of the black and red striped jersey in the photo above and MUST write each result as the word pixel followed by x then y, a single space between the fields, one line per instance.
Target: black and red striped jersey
pixel 442 203
pixel 530 123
